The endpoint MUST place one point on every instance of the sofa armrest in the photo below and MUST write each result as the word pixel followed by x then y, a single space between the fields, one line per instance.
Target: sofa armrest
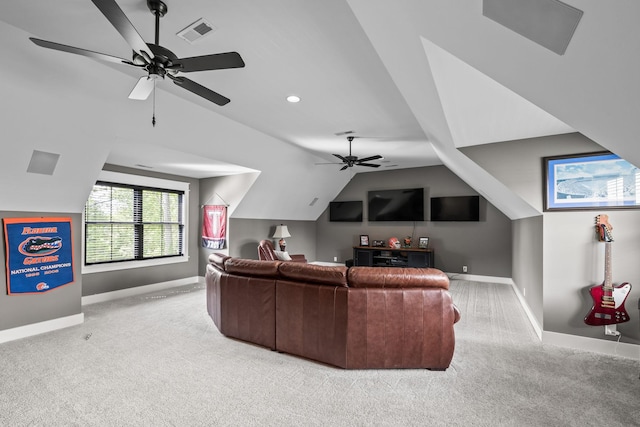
pixel 456 314
pixel 298 258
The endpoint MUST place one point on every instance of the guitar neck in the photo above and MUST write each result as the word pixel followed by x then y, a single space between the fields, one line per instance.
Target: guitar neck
pixel 608 274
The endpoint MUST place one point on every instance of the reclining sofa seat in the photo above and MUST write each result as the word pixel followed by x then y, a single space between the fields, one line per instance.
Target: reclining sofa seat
pixel 266 252
pixel 354 318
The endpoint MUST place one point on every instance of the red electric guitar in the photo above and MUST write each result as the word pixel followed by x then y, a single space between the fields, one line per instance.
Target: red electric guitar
pixel 608 300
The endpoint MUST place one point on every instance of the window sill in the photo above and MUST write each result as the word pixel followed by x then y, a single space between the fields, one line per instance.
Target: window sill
pixel 116 266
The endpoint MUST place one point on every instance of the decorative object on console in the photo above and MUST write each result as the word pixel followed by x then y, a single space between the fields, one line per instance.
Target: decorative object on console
pixel 393 242
pixel 406 242
pixel 281 232
pixel 364 240
pixel 423 242
pixel 378 243
pixel 608 301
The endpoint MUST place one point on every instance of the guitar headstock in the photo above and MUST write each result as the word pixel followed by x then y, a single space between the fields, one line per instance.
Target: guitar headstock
pixel 603 228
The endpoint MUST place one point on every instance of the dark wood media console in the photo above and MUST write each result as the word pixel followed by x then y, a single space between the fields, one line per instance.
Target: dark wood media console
pixel 372 256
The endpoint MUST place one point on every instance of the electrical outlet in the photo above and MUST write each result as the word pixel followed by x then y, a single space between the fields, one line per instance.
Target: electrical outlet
pixel 611 330
pixel 464 268
pixel 335 259
pixel 524 292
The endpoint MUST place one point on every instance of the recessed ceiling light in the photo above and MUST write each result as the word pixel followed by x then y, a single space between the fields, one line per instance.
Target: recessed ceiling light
pixel 293 98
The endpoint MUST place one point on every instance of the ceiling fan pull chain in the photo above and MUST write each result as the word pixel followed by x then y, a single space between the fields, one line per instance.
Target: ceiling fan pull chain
pixel 153 117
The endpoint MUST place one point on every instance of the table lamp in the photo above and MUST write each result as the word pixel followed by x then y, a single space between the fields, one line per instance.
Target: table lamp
pixel 281 232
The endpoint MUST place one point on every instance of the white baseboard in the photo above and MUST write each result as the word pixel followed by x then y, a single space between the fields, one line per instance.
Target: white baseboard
pixel 139 290
pixel 527 310
pixel 507 281
pixel 77 319
pixel 613 348
pixel 576 342
pixel 40 327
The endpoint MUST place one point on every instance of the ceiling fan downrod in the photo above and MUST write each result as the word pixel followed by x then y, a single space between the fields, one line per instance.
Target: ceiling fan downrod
pixel 159 9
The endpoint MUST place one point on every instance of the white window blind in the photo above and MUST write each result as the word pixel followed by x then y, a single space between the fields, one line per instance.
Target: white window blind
pixel 130 223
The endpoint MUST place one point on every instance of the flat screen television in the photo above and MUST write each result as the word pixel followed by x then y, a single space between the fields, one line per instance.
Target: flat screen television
pixel 396 205
pixel 457 208
pixel 349 211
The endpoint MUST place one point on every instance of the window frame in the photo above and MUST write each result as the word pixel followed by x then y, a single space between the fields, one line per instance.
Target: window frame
pixel 150 183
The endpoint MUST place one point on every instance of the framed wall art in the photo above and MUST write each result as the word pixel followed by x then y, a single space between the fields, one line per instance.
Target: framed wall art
pixel 364 240
pixel 590 181
pixel 39 254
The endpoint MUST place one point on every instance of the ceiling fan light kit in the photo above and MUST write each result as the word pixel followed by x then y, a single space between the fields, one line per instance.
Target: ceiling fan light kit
pixel 158 61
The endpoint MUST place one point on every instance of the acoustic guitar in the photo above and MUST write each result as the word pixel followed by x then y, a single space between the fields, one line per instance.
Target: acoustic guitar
pixel 608 300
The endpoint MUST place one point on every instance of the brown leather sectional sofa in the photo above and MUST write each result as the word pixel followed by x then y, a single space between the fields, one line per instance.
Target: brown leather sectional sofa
pixel 353 318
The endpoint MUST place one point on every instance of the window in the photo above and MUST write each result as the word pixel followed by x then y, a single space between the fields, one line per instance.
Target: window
pixel 125 222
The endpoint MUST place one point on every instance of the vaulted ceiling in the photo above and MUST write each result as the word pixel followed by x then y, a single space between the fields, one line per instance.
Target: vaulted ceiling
pixel 418 79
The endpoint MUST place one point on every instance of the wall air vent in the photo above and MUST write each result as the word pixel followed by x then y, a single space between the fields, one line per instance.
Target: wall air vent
pixel 42 162
pixel 196 31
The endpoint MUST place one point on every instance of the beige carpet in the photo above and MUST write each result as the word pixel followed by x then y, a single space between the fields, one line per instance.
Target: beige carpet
pixel 158 360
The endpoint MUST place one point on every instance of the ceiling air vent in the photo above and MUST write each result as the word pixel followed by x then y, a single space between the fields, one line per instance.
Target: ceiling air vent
pixel 196 31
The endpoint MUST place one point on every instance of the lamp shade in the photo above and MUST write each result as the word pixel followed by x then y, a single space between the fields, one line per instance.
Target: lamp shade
pixel 281 232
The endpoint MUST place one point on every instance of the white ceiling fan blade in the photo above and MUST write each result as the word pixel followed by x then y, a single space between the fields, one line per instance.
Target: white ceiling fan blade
pixel 142 89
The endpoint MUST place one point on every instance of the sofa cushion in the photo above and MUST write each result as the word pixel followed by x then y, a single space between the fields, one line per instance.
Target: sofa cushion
pixel 397 277
pixel 252 267
pixel 311 273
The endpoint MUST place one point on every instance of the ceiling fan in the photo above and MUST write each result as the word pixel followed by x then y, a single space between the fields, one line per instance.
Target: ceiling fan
pixel 351 160
pixel 157 61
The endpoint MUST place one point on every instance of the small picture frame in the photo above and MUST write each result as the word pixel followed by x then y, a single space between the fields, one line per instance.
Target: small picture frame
pixel 364 240
pixel 423 242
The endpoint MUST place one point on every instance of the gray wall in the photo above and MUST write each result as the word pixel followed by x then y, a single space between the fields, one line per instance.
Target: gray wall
pixel 572 258
pixel 96 283
pixel 20 310
pixel 243 235
pixel 224 190
pixel 247 233
pixel 485 246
